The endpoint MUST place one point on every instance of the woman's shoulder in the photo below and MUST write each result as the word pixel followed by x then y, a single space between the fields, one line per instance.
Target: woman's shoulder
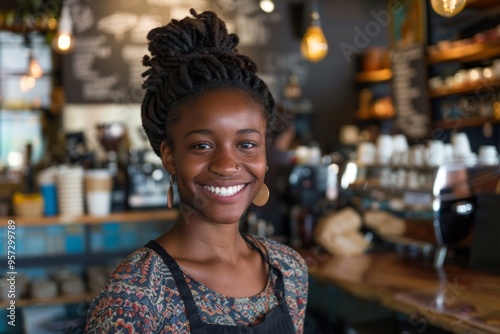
pixel 142 270
pixel 144 262
pixel 283 254
pixel 132 293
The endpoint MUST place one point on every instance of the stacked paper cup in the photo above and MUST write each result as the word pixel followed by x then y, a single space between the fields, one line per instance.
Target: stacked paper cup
pixel 70 190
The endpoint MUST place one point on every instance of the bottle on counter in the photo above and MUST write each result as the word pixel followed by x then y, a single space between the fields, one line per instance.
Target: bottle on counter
pixel 28 202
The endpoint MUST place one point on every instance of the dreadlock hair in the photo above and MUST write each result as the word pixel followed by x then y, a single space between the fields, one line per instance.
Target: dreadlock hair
pixel 188 58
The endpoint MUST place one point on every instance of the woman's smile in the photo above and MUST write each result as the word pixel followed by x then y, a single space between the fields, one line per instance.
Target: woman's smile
pixel 224 191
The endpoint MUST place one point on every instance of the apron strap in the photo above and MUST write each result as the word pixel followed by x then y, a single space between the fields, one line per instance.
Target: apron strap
pixel 180 281
pixel 279 289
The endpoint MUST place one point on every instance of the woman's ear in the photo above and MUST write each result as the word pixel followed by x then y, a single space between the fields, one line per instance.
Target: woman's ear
pixel 167 157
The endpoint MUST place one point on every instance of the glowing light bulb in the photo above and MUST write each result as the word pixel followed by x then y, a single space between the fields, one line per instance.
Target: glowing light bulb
pixel 266 5
pixel 314 46
pixel 448 8
pixel 63 41
pixel 27 82
pixel 34 68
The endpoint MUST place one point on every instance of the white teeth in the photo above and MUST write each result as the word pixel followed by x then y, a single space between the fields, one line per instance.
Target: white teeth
pixel 223 191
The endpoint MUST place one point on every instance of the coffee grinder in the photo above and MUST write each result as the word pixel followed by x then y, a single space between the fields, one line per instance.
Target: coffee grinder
pixel 110 136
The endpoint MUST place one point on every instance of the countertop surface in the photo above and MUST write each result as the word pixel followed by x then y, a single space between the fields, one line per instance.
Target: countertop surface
pixel 454 298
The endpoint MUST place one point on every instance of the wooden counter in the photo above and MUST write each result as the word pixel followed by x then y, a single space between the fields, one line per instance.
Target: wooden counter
pixel 453 298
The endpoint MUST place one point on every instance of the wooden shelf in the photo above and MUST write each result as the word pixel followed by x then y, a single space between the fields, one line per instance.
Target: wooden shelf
pixel 20 28
pixel 481 86
pixel 466 53
pixel 69 299
pixel 465 122
pixel 482 4
pixel 374 76
pixel 374 119
pixel 122 217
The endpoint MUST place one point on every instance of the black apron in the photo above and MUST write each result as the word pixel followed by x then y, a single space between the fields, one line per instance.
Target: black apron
pixel 278 321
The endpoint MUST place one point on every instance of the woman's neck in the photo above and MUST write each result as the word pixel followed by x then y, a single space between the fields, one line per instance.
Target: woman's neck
pixel 205 241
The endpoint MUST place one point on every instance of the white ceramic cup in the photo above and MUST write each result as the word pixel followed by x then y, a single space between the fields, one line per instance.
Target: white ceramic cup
pixel 434 154
pixel 461 145
pixel 98 184
pixel 366 153
pixel 488 155
pixel 416 157
pixel 385 149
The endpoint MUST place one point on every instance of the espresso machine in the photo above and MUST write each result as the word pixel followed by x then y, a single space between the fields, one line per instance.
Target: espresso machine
pixel 313 192
pixel 148 181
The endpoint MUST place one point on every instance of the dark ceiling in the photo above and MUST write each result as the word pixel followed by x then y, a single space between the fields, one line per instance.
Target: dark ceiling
pixel 19 5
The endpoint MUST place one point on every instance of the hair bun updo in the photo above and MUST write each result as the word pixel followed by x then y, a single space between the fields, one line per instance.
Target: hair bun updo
pixel 189 56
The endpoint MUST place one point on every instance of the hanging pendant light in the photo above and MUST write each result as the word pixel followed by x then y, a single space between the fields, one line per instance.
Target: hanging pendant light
pixel 63 41
pixel 448 8
pixel 314 46
pixel 266 5
pixel 34 68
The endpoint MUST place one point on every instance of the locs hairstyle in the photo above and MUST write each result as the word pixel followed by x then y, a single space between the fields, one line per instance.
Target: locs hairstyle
pixel 189 57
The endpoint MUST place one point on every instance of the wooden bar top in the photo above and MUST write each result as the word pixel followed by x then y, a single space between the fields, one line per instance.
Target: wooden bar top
pixel 453 298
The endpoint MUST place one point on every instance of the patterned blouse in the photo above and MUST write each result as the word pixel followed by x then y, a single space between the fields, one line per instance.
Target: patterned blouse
pixel 141 296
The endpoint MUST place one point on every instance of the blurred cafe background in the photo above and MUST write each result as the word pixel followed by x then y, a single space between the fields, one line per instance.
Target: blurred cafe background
pixel 384 170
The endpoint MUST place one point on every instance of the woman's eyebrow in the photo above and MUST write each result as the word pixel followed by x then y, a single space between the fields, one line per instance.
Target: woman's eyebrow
pixel 199 131
pixel 247 131
pixel 211 132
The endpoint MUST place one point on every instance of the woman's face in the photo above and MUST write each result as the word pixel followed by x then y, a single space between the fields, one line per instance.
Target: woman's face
pixel 218 155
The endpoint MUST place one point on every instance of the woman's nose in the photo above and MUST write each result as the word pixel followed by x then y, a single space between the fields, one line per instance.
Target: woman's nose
pixel 224 162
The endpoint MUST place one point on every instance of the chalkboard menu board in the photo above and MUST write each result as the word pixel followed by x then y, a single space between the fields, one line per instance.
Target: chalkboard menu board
pixel 106 64
pixel 413 116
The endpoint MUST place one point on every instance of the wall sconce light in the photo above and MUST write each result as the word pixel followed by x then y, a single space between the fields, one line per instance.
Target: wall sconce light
pixel 314 46
pixel 63 41
pixel 266 5
pixel 448 8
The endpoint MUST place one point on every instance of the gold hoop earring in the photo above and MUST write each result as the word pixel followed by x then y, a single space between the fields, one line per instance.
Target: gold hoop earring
pixel 262 197
pixel 170 193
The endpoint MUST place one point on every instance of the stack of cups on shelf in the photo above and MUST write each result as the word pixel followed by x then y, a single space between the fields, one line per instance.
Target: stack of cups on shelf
pixel 70 190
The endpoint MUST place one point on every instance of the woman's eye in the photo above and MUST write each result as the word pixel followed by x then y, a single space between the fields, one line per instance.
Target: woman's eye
pixel 247 144
pixel 201 146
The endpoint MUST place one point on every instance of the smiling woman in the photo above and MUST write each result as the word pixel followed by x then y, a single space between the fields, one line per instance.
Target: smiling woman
pixel 208 116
